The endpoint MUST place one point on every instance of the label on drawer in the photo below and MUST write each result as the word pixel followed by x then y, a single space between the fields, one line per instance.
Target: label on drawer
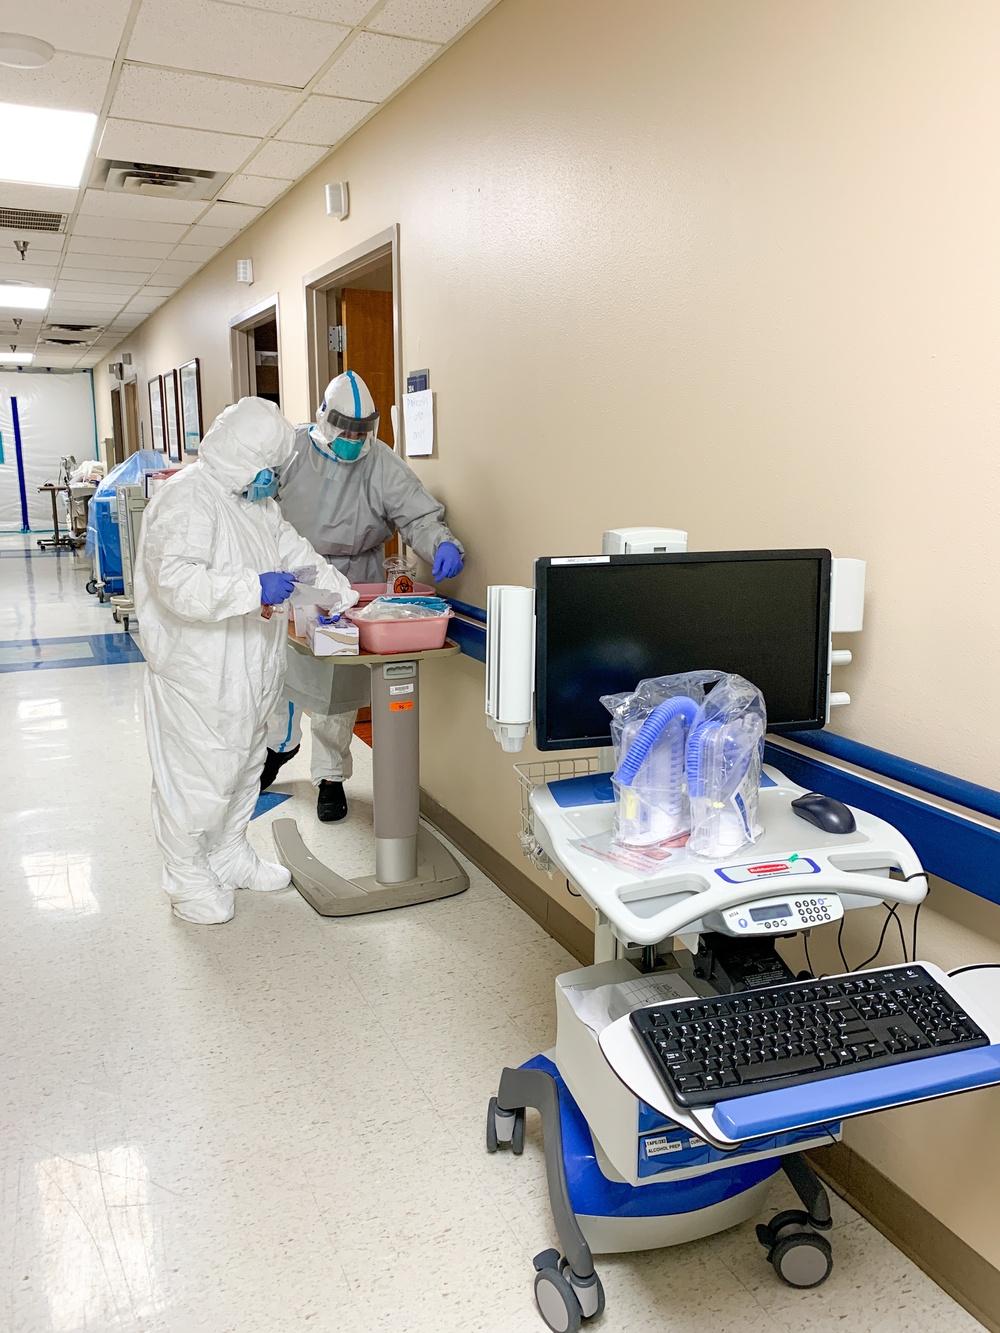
pixel 661 1144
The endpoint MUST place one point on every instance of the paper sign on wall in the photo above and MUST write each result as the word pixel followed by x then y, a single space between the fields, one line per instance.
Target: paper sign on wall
pixel 418 423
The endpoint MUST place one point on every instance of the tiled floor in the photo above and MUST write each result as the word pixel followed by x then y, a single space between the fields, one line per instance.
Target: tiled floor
pixel 277 1125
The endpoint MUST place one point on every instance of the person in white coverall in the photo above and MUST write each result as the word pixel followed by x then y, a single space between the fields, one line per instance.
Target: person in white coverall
pixel 214 551
pixel 348 493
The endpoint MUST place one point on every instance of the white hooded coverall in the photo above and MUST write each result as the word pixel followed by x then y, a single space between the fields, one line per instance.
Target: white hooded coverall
pixel 214 665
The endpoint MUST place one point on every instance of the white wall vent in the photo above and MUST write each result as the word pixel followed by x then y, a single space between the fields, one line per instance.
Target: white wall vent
pixel 160 182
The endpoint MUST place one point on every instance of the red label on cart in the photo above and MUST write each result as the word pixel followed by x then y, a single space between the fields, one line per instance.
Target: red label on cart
pixel 401 707
pixel 796 865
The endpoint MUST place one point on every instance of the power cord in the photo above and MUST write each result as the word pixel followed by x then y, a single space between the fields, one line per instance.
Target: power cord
pixel 889 915
pixel 570 891
pixel 805 945
pixel 974 967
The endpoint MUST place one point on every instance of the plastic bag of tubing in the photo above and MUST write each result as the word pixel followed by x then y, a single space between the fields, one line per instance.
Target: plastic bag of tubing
pixel 649 731
pixel 688 755
pixel 102 520
pixel 403 608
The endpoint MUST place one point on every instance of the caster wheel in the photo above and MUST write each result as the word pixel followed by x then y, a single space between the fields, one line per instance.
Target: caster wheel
pixel 791 1219
pixel 803 1259
pixel 557 1301
pixel 115 616
pixel 517 1137
pixel 91 587
pixel 492 1142
pixel 599 1291
pixel 125 623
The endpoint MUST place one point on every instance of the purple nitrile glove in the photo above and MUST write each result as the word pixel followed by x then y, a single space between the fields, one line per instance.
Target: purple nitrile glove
pixel 447 562
pixel 275 587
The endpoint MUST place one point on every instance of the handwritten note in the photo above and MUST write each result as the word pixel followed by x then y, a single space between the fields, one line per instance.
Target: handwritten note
pixel 418 423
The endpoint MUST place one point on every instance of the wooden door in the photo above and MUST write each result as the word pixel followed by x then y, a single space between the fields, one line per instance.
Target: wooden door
pixel 131 407
pixel 368 349
pixel 117 427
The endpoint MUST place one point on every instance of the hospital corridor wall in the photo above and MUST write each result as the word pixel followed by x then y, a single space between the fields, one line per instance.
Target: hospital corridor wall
pixel 723 267
pixel 55 418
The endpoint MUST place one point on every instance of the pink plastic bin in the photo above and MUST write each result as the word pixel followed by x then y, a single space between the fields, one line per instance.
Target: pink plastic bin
pixel 402 636
pixel 367 592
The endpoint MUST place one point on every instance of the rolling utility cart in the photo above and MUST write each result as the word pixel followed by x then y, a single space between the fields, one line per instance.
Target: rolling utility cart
pixel 412 865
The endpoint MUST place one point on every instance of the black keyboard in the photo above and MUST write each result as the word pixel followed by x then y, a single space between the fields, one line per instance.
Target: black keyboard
pixel 706 1051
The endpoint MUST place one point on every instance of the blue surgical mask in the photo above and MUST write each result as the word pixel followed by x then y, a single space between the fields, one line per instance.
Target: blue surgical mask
pixel 263 486
pixel 348 450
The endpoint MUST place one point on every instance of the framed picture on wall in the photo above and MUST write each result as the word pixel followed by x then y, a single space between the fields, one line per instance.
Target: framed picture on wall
pixel 190 398
pixel 171 416
pixel 158 440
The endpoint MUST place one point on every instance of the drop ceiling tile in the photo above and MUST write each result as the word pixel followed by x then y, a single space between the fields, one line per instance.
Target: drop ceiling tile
pixel 169 97
pixel 433 20
pixel 134 141
pixel 161 293
pixel 96 276
pixel 66 83
pixel 47 243
pixel 374 66
pixel 325 120
pixel 46 198
pixel 259 190
pixel 12 270
pixel 332 11
pixel 201 253
pixel 116 263
pixel 180 269
pixel 285 160
pixel 98 203
pixel 217 237
pixel 215 38
pixel 106 245
pixel 144 305
pixel 230 216
pixel 92 27
pixel 129 229
pixel 88 291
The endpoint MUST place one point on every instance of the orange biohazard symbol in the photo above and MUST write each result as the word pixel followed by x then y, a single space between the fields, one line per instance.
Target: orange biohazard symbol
pixel 403 585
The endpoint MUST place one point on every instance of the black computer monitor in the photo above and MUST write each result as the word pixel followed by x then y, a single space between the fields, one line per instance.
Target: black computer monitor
pixel 606 622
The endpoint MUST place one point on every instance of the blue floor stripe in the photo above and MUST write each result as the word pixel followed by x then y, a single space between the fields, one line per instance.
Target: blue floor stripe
pixel 58 653
pixel 268 800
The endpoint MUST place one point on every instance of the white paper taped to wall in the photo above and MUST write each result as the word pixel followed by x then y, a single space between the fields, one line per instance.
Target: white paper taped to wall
pixel 418 423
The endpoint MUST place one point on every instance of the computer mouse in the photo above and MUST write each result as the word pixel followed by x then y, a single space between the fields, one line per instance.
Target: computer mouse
pixel 827 814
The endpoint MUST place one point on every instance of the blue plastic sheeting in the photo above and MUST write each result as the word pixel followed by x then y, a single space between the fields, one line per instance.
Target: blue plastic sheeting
pixel 592 1194
pixel 269 800
pixel 984 800
pixel 956 849
pixel 856 1094
pixel 102 519
pixel 79 650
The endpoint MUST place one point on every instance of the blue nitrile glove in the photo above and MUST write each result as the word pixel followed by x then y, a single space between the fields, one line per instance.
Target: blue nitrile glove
pixel 447 562
pixel 275 587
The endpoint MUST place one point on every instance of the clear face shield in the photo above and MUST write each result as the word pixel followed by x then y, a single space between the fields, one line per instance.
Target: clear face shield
pixel 347 437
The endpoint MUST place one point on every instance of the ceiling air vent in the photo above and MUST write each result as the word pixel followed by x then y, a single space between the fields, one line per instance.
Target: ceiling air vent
pixel 31 219
pixel 74 328
pixel 157 181
pixel 65 342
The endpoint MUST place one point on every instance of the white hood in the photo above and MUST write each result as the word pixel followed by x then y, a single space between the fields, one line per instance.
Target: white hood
pixel 243 440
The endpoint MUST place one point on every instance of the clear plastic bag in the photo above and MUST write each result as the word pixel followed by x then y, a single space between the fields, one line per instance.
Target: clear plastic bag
pixel 688 752
pixel 403 608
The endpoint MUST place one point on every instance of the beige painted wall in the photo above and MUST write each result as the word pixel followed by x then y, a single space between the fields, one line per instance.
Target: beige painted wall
pixel 719 266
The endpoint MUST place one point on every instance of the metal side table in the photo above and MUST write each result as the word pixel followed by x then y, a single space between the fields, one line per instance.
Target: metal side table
pixel 412 865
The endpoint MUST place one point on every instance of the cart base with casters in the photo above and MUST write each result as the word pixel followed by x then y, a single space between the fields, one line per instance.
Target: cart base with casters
pixel 58 538
pixel 412 865
pixel 596 1213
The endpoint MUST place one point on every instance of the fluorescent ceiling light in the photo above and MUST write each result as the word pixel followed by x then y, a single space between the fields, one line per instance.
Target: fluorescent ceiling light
pixel 16 358
pixel 14 296
pixel 39 146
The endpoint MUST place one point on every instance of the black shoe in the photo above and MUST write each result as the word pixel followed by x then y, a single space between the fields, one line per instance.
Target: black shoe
pixel 331 803
pixel 272 764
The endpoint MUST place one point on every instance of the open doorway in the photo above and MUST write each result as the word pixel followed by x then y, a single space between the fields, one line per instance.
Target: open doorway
pixel 352 323
pixel 255 357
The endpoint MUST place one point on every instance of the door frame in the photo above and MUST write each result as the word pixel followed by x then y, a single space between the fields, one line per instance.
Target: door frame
pixel 242 366
pixel 354 263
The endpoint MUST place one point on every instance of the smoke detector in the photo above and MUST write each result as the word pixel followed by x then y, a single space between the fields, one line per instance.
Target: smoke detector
pixel 159 182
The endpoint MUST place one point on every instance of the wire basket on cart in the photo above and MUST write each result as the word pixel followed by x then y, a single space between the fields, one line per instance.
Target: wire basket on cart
pixel 537 774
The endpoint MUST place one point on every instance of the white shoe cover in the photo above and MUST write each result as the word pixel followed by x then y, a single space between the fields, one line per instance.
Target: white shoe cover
pixel 242 868
pixel 214 911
